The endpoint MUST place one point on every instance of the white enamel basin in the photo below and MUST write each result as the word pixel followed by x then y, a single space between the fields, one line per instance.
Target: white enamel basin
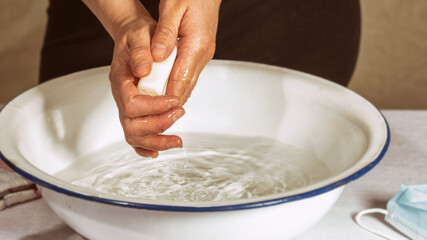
pixel 45 129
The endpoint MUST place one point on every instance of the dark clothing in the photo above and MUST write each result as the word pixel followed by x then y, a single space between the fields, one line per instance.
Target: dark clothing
pixel 320 37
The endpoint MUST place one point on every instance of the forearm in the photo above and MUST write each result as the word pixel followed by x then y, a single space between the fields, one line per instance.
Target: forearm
pixel 115 14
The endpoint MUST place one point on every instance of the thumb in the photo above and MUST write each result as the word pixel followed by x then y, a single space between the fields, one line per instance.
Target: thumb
pixel 140 53
pixel 166 33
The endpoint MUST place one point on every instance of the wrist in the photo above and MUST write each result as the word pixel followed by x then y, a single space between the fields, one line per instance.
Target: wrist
pixel 116 15
pixel 131 23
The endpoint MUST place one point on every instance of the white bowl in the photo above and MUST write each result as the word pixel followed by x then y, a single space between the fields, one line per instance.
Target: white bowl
pixel 46 128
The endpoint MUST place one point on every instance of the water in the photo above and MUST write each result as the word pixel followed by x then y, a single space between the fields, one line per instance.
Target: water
pixel 209 168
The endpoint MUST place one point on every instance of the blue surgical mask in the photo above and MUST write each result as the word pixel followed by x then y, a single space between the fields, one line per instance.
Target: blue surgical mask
pixel 406 211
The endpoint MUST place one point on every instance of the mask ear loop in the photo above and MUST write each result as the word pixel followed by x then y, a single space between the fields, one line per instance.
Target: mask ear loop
pixel 364 226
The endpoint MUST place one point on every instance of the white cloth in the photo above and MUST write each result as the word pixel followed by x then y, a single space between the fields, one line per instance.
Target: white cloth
pixel 14 189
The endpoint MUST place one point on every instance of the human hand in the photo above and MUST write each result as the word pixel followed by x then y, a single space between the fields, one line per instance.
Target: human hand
pixel 143 117
pixel 195 23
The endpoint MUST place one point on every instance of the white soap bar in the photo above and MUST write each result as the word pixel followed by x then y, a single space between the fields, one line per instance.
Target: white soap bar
pixel 155 84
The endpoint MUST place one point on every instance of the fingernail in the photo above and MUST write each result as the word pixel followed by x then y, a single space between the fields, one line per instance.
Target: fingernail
pixel 177 115
pixel 141 68
pixel 174 144
pixel 159 50
pixel 154 154
pixel 173 99
pixel 171 145
pixel 173 102
pixel 142 64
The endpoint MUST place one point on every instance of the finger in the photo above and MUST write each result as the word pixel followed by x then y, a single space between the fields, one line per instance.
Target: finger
pixel 133 105
pixel 145 152
pixel 192 57
pixel 191 86
pixel 166 33
pixel 153 124
pixel 140 51
pixel 156 142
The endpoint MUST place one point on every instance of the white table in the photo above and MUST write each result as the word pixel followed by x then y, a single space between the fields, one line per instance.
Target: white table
pixel 405 162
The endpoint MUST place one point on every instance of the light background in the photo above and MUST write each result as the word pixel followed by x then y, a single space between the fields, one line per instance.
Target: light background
pixel 391 71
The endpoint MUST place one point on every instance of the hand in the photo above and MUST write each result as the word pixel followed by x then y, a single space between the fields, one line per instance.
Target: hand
pixel 143 118
pixel 195 22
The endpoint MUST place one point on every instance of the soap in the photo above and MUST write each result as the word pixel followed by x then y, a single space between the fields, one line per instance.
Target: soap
pixel 156 82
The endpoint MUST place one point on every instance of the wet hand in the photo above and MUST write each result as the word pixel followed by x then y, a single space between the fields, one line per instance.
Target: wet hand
pixel 195 23
pixel 143 118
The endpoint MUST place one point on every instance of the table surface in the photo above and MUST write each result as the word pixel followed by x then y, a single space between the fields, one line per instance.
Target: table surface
pixel 405 162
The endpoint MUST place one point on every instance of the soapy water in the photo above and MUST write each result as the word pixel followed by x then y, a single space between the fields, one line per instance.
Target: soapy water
pixel 209 168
